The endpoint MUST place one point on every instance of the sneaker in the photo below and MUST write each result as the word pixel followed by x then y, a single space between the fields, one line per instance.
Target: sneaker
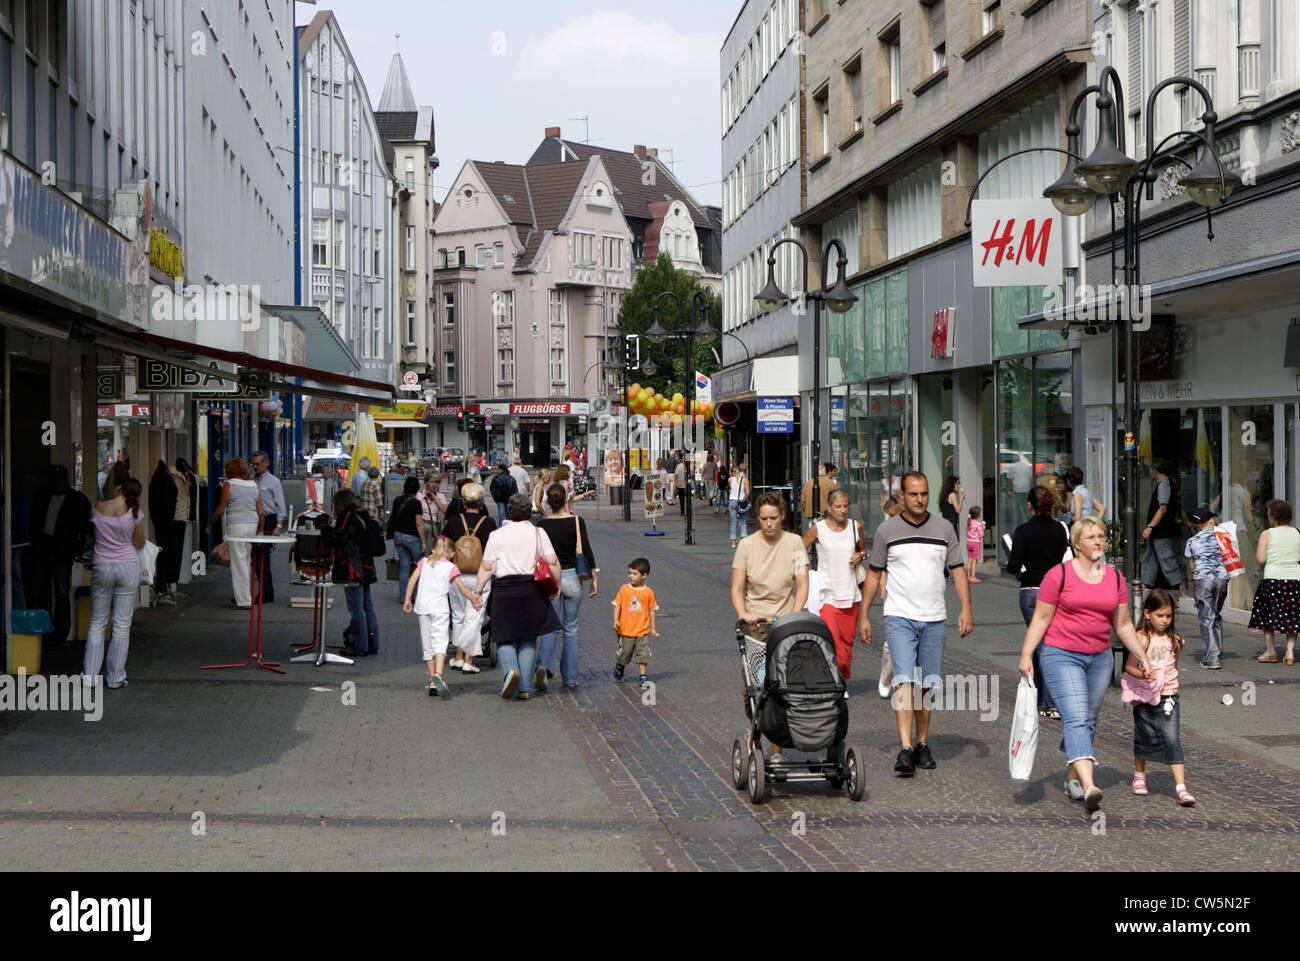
pixel 904 765
pixel 778 759
pixel 432 688
pixel 457 664
pixel 469 668
pixel 510 686
pixel 1140 785
pixel 645 683
pixel 618 672
pixel 1213 667
pixel 922 757
pixel 1092 799
pixel 525 695
pixel 572 687
pixel 441 686
pixel 1074 789
pixel 539 678
pixel 1185 797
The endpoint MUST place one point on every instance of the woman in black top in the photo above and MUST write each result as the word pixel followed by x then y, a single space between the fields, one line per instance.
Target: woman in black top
pixel 470 517
pixel 1037 547
pixel 404 523
pixel 564 529
pixel 951 499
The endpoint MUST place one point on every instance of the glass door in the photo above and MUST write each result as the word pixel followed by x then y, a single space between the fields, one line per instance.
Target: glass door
pixel 1249 486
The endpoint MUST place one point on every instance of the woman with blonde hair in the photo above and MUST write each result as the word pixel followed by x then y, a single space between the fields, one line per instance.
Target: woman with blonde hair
pixel 539 492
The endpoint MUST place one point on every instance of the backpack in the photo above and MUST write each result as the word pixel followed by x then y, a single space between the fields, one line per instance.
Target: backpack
pixel 502 487
pixel 469 552
pixel 373 540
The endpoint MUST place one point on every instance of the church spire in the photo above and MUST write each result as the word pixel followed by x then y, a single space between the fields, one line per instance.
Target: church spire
pixel 397 96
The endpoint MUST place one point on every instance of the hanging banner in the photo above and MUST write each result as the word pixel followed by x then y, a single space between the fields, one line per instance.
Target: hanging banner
pixel 1016 243
pixel 703 388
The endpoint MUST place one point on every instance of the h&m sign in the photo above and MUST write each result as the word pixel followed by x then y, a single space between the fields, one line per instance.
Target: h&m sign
pixel 1016 243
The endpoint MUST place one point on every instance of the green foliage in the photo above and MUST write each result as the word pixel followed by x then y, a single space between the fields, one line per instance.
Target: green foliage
pixel 636 314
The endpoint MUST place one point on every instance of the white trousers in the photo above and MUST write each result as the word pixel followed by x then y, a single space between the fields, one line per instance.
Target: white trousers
pixel 466 622
pixel 435 633
pixel 240 567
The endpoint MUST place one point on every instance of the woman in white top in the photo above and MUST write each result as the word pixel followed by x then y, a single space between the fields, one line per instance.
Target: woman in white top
pixel 519 610
pixel 840 548
pixel 738 488
pixel 241 498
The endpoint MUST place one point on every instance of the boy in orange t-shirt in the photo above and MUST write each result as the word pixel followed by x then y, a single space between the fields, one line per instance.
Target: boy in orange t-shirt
pixel 634 620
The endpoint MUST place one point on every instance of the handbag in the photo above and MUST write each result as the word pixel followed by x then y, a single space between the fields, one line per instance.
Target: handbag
pixel 221 555
pixel 542 572
pixel 860 570
pixel 392 568
pixel 1024 731
pixel 579 558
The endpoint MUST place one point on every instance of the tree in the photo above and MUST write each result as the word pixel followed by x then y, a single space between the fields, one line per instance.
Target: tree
pixel 637 314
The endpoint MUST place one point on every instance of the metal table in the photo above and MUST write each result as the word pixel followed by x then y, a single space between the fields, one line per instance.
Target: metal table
pixel 255 612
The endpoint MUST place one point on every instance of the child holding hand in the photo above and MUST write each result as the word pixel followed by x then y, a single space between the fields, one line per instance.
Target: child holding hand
pixel 430 584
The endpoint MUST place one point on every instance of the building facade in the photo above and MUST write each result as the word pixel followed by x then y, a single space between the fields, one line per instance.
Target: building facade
pixel 531 262
pixel 906 105
pixel 762 192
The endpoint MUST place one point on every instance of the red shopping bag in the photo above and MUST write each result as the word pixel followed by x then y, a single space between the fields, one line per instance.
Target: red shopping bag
pixel 1226 533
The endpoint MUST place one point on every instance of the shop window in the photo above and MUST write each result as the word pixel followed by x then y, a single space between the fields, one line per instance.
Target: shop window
pixel 896 322
pixel 1009 305
pixel 1035 435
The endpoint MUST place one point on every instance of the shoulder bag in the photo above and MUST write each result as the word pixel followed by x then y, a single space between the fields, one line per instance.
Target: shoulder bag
pixel 542 572
pixel 579 558
pixel 860 570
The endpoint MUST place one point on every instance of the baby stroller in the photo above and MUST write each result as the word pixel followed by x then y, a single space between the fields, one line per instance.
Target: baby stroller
pixel 794 696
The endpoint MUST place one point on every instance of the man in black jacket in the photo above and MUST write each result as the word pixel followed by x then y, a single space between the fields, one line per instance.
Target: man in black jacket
pixel 60 520
pixel 355 569
pixel 502 488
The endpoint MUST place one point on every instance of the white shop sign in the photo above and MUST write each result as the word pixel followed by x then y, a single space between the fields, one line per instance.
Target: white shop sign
pixel 1016 243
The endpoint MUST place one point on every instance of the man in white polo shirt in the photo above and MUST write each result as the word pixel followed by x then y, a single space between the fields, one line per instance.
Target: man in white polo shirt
pixel 914 548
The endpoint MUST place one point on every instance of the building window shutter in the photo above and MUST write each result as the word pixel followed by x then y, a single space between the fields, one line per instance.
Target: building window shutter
pixel 937 27
pixel 1135 54
pixel 1182 37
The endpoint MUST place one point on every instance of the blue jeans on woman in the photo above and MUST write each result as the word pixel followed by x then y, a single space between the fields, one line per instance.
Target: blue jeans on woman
pixel 738 519
pixel 566 609
pixel 363 632
pixel 1028 599
pixel 1078 682
pixel 408 555
pixel 521 656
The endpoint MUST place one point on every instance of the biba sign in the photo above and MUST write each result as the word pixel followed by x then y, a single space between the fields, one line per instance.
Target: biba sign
pixel 1016 243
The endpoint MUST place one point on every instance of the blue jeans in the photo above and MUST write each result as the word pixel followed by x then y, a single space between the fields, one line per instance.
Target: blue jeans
pixel 1028 599
pixel 112 587
pixel 916 649
pixel 519 656
pixel 1210 593
pixel 501 514
pixel 408 555
pixel 1079 683
pixel 738 520
pixel 363 631
pixel 566 609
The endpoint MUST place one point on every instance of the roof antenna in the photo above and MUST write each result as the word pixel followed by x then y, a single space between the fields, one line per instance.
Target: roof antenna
pixel 586 128
pixel 397 43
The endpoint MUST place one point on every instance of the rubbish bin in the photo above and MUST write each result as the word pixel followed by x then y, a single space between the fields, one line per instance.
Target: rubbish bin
pixel 27 627
pixel 616 495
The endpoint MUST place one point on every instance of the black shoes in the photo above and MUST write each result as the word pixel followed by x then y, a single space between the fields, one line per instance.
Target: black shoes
pixel 922 757
pixel 904 766
pixel 618 672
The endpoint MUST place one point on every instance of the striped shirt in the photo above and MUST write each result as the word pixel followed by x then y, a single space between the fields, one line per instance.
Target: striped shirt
pixel 372 498
pixel 914 555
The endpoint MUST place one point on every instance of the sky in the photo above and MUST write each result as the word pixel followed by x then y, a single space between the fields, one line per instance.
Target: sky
pixel 499 72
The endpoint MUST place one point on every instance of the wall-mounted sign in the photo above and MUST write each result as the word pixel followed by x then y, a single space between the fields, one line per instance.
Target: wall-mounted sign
pixel 159 376
pixel 943 335
pixel 110 384
pixel 110 411
pixel 776 415
pixel 242 391
pixel 1016 243
pixel 837 415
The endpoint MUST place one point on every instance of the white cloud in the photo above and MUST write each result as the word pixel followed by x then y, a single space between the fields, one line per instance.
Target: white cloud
pixel 615 54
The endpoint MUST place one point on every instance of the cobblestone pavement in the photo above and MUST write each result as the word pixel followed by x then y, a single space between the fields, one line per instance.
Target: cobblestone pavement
pixel 355 767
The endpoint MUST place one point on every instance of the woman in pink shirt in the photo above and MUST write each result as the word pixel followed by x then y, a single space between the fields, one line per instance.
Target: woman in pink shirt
pixel 115 580
pixel 1078 604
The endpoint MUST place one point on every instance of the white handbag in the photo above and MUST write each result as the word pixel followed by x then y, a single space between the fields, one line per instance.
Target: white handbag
pixel 1024 731
pixel 148 558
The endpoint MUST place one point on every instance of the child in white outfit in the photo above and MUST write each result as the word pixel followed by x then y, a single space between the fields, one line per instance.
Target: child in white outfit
pixel 430 583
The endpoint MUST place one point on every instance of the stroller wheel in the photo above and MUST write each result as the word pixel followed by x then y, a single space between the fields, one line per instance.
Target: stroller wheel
pixel 760 788
pixel 740 763
pixel 854 775
pixel 492 653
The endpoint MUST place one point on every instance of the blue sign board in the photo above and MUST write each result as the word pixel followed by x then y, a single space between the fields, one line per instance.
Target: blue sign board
pixel 837 415
pixel 776 415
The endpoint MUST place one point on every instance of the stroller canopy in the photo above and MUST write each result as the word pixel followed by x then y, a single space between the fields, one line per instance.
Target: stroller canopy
pixel 801 656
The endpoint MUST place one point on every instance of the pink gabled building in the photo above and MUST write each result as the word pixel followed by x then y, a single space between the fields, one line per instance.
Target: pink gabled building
pixel 530 266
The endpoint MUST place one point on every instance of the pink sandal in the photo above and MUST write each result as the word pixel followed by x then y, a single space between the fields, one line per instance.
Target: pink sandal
pixel 1140 785
pixel 1185 797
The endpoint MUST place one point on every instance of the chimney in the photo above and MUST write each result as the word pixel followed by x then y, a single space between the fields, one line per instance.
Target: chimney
pixel 552 132
pixel 639 150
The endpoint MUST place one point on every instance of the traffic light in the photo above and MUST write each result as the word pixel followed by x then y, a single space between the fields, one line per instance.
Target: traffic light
pixel 460 420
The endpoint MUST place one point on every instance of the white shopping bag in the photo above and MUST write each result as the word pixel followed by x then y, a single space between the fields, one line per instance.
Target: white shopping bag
pixel 148 558
pixel 1226 534
pixel 1024 731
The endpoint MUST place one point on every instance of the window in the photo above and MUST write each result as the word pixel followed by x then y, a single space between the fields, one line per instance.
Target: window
pixel 365 178
pixel 499 254
pixel 449 359
pixel 338 169
pixel 339 233
pixel 992 16
pixel 889 79
pixel 1247 48
pixel 1134 90
pixel 320 240
pixel 410 322
pixel 410 248
pixel 503 312
pixel 365 249
pixel 443 257
pixel 377 331
pixel 935 31
pixel 448 309
pixel 912 211
pixel 379 252
pixel 480 255
pixel 365 332
pixel 852 118
pixel 822 128
pixel 584 249
pixel 410 173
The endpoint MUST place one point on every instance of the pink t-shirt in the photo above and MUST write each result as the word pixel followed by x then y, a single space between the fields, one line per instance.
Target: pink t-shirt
pixel 974 531
pixel 1084 611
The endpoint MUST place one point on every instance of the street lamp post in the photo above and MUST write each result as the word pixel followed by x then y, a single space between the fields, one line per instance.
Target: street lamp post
pixel 699 309
pixel 839 299
pixel 625 448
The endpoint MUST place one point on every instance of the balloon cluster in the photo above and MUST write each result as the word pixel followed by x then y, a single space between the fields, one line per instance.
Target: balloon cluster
pixel 672 410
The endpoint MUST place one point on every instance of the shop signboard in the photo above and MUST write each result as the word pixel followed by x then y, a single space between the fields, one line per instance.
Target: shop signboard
pixel 733 383
pixel 110 384
pixel 110 411
pixel 837 415
pixel 316 409
pixel 1016 243
pixel 158 376
pixel 654 496
pixel 402 410
pixel 776 415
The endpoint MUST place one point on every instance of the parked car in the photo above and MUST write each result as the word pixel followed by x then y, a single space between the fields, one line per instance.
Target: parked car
pixel 441 459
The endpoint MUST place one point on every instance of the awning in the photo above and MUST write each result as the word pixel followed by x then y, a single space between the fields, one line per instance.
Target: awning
pixel 399 424
pixel 325 348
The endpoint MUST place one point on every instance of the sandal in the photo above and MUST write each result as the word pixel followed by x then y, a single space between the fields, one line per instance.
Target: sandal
pixel 1185 797
pixel 1140 785
pixel 1289 661
pixel 1265 659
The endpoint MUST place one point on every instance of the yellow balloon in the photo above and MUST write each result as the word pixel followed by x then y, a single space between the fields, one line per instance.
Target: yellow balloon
pixel 678 398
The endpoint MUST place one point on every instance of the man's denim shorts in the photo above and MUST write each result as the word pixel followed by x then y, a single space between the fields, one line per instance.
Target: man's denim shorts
pixel 913 645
